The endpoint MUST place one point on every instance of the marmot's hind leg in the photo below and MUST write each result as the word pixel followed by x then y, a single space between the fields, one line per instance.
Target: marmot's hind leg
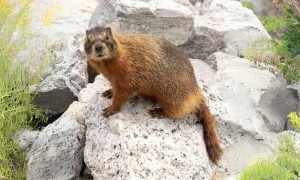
pixel 151 98
pixel 157 113
pixel 160 113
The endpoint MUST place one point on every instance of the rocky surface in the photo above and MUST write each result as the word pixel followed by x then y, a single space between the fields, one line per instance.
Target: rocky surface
pixel 171 20
pixel 234 88
pixel 296 86
pixel 276 104
pixel 57 151
pixel 239 93
pixel 225 26
pixel 58 31
pixel 204 41
pixel 262 8
pixel 239 26
pixel 131 144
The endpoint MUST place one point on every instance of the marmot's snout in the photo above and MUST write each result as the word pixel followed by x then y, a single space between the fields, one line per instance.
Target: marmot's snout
pixel 99 49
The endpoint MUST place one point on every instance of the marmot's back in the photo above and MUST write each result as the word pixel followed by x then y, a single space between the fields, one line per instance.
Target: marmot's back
pixel 161 67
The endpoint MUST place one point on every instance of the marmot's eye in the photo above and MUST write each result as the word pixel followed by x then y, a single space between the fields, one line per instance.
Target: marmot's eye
pixel 107 38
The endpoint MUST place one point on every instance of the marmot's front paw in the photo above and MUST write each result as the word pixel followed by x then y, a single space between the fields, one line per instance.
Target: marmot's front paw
pixel 108 111
pixel 108 93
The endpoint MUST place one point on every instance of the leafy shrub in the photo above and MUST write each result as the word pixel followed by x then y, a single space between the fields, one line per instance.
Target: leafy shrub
pixel 295 120
pixel 284 166
pixel 293 3
pixel 16 108
pixel 285 50
pixel 248 5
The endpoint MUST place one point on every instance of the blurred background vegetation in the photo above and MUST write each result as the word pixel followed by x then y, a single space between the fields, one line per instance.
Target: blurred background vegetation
pixel 284 165
pixel 16 108
pixel 283 50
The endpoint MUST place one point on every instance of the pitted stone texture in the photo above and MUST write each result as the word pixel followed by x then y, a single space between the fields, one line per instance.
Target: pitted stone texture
pixel 25 138
pixel 234 87
pixel 58 29
pixel 296 86
pixel 57 152
pixel 237 24
pixel 131 144
pixel 203 42
pixel 167 19
pixel 276 104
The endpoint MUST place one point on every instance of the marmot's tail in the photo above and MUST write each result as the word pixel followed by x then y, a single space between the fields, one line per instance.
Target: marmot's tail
pixel 210 137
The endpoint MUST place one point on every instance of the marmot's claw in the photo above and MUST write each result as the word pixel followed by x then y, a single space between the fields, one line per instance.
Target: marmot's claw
pixel 156 113
pixel 107 111
pixel 108 93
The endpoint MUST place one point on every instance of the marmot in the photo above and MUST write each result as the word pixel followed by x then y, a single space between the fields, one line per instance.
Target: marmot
pixel 154 68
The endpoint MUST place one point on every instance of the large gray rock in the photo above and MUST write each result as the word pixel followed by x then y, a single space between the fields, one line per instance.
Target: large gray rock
pixel 296 86
pixel 263 8
pixel 238 25
pixel 131 144
pixel 203 42
pixel 234 87
pixel 276 104
pixel 57 152
pixel 168 19
pixel 225 26
pixel 58 30
pixel 188 4
pixel 238 84
pixel 104 14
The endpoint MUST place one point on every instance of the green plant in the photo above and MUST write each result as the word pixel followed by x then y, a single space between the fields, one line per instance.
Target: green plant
pixel 272 23
pixel 16 108
pixel 248 5
pixel 288 45
pixel 286 48
pixel 285 165
pixel 295 120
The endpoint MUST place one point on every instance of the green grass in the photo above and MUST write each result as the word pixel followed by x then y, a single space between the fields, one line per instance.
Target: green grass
pixel 295 120
pixel 284 166
pixel 271 23
pixel 16 108
pixel 248 5
pixel 283 51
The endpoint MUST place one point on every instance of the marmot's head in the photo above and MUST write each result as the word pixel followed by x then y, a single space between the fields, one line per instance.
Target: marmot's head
pixel 100 44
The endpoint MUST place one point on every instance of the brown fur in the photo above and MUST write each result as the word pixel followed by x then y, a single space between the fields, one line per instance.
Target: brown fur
pixel 154 68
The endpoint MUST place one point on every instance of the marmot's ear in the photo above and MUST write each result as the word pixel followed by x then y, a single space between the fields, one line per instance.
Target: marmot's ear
pixel 108 31
pixel 88 35
pixel 87 32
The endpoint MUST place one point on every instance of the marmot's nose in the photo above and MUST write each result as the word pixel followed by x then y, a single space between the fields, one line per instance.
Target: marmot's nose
pixel 98 48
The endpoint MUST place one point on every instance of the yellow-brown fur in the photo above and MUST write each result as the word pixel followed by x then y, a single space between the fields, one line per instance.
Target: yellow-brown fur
pixel 154 68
